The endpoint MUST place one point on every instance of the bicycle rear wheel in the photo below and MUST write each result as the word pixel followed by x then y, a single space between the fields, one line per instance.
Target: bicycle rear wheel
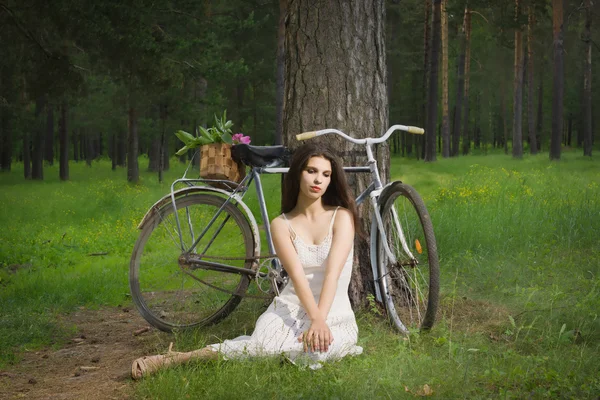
pixel 170 295
pixel 409 286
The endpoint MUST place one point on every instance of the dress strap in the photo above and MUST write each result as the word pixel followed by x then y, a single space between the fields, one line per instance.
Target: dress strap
pixel 292 231
pixel 333 219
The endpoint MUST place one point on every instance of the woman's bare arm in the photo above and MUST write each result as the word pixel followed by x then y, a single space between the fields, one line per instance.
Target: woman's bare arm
pixel 343 239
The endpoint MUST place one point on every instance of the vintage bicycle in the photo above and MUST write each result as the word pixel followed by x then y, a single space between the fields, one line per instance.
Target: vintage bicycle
pixel 200 246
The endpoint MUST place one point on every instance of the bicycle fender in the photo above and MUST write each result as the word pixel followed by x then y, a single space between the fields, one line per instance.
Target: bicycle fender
pixel 374 234
pixel 199 189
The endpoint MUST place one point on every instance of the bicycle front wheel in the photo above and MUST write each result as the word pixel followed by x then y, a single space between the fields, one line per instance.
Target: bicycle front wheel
pixel 172 295
pixel 410 284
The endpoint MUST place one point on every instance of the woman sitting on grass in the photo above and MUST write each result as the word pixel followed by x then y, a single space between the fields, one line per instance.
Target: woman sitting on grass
pixel 311 321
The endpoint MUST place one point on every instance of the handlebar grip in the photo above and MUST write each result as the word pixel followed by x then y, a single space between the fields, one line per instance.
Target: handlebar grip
pixel 415 130
pixel 306 135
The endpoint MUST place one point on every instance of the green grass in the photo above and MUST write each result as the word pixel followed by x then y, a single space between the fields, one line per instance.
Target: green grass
pixel 519 244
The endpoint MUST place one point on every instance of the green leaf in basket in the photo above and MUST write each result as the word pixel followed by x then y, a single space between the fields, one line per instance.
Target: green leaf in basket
pixel 184 136
pixel 226 138
pixel 182 151
pixel 205 133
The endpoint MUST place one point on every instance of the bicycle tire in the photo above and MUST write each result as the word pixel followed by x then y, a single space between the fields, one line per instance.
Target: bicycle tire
pixel 410 292
pixel 166 295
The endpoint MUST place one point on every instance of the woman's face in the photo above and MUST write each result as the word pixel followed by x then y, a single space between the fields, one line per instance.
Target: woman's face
pixel 315 177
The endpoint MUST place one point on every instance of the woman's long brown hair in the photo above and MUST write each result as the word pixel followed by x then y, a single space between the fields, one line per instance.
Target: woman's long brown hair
pixel 337 193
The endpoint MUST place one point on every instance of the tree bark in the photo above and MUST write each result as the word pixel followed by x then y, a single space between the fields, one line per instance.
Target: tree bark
pixel 49 153
pixel 445 106
pixel 466 143
pixel 533 147
pixel 540 114
pixel 587 81
pixel 432 98
pixel 161 147
pixel 460 89
pixel 5 139
pixel 517 139
pixel 64 143
pixel 426 56
pixel 336 77
pixel 133 171
pixel 37 159
pixel 279 79
pixel 558 79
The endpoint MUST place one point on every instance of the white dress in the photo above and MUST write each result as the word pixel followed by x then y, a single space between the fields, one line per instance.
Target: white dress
pixel 277 330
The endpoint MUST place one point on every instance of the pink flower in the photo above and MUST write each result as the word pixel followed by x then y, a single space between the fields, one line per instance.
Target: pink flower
pixel 240 138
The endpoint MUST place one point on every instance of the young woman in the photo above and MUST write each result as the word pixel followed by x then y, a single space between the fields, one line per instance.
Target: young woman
pixel 311 321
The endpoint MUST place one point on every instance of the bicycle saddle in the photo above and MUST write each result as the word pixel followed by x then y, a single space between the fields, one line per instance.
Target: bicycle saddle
pixel 260 156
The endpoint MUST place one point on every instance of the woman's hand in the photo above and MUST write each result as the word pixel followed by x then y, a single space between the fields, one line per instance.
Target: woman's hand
pixel 317 338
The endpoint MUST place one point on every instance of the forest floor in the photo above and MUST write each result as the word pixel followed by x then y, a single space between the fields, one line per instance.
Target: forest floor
pixel 95 364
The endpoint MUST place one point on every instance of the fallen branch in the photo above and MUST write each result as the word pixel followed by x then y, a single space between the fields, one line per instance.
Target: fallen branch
pixel 140 331
pixel 103 253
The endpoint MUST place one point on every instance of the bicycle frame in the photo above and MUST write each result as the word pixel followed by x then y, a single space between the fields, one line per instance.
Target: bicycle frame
pixel 373 191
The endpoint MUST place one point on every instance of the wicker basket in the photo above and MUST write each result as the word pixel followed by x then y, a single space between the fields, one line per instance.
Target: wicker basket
pixel 216 163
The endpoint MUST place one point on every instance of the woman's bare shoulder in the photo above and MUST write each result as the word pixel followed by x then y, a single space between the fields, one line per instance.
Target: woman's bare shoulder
pixel 343 216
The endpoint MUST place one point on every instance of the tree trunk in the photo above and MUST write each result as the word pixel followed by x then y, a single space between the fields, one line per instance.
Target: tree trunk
pixel 460 89
pixel 517 139
pixel 337 78
pixel 121 148
pixel 466 144
pixel 49 153
pixel 63 137
pixel 89 147
pixel 445 116
pixel 533 147
pixel 569 129
pixel 279 79
pixel 587 81
pixel 133 171
pixel 161 147
pixel 558 79
pixel 154 154
pixel 540 114
pixel 426 55
pixel 37 159
pixel 75 146
pixel 5 139
pixel 432 98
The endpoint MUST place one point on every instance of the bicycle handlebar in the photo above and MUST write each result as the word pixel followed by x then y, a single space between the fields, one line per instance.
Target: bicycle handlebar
pixel 410 129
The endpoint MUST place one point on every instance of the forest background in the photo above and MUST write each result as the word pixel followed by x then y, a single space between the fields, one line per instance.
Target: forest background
pixel 90 96
pixel 117 79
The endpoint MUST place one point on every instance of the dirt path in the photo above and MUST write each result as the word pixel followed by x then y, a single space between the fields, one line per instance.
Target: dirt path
pixel 94 365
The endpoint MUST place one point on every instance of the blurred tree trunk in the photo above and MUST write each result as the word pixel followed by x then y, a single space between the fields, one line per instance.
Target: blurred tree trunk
pixel 445 116
pixel 49 153
pixel 76 145
pixel 161 147
pixel 39 132
pixel 426 56
pixel 337 78
pixel 533 147
pixel 540 113
pixel 121 147
pixel 587 81
pixel 432 98
pixel 88 146
pixel 517 139
pixel 133 171
pixel 466 143
pixel 5 139
pixel 558 79
pixel 460 89
pixel 63 137
pixel 279 79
